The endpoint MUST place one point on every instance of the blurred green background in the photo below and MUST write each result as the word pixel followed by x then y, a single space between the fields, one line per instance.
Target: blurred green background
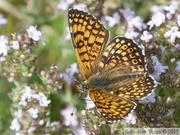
pixel 53 23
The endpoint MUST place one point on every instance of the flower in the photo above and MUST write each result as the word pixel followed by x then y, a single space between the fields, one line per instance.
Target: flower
pixel 3 45
pixel 150 98
pixel 80 6
pixel 89 103
pixel 178 66
pixel 172 8
pixel 146 36
pixel 68 119
pixel 31 129
pixel 43 100
pixel 73 69
pixel 42 73
pixel 33 112
pixel 130 33
pixel 54 123
pixel 158 118
pixel 155 9
pixel 35 34
pixel 11 79
pixel 15 45
pixel 162 49
pixel 170 112
pixel 178 20
pixel 173 33
pixel 156 20
pixel 41 122
pixel 112 20
pixel 70 72
pixel 19 133
pixel 82 131
pixel 2 59
pixel 131 118
pixel 169 16
pixel 137 22
pixel 150 46
pixel 2 20
pixel 169 99
pixel 158 68
pixel 64 4
pixel 127 13
pixel 151 124
pixel 50 81
pixel 18 114
pixel 28 92
pixel 15 125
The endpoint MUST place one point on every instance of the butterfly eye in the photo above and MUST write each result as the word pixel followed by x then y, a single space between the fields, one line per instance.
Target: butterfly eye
pixel 84 86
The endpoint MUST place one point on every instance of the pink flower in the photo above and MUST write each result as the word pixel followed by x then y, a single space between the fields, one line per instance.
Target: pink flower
pixel 68 119
pixel 156 20
pixel 15 125
pixel 15 45
pixel 3 45
pixel 35 34
pixel 33 112
pixel 115 19
pixel 158 68
pixel 172 8
pixel 173 34
pixel 146 36
pixel 2 20
pixel 131 118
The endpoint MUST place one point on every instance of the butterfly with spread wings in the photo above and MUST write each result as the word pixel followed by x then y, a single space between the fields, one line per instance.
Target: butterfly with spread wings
pixel 115 73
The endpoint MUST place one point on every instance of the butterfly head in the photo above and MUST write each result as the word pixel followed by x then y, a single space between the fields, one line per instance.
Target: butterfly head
pixel 83 87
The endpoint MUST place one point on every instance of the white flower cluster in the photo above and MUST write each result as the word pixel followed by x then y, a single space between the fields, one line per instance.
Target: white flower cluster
pixel 4 47
pixel 29 96
pixel 35 34
pixel 160 17
pixel 132 21
pixel 32 33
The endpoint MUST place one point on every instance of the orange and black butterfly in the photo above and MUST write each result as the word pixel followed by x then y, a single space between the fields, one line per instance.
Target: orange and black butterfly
pixel 115 72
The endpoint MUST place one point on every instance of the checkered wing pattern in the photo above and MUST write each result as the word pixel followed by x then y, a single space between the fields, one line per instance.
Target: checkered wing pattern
pixel 112 107
pixel 89 38
pixel 115 73
pixel 122 55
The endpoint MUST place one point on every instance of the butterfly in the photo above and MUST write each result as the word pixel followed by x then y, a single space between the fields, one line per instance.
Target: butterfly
pixel 115 72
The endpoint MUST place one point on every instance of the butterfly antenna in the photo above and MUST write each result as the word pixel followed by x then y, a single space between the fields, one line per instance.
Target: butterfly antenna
pixel 72 113
pixel 66 73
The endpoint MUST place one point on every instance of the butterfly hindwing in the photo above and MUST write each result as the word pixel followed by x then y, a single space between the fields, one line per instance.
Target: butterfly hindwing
pixel 122 55
pixel 137 88
pixel 112 107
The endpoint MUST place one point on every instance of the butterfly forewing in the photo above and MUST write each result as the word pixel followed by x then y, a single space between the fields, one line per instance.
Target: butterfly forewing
pixel 89 38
